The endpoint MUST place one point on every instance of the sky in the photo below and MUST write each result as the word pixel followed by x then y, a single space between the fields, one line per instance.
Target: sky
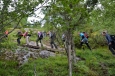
pixel 41 15
pixel 38 13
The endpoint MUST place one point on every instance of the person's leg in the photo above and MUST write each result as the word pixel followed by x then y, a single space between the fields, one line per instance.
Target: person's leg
pixel 28 40
pixel 88 45
pixel 37 42
pixel 6 35
pixel 113 45
pixel 81 44
pixel 55 45
pixel 41 42
pixel 18 40
pixel 51 44
pixel 111 49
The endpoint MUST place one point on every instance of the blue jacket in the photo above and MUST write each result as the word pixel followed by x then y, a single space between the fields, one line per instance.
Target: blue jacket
pixel 81 35
pixel 83 38
pixel 108 38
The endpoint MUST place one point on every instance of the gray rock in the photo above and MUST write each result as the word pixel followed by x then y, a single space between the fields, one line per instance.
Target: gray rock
pixel 46 54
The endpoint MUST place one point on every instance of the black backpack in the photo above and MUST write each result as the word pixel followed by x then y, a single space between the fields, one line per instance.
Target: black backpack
pixel 41 35
pixel 53 35
pixel 112 37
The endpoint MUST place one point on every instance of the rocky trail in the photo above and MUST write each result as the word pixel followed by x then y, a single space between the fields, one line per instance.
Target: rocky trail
pixel 24 52
pixel 32 44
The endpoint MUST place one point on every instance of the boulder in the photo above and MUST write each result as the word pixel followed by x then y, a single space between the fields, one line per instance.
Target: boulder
pixel 46 54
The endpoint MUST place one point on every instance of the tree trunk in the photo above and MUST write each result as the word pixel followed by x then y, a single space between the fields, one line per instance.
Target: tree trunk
pixel 70 60
pixel 73 52
pixel 69 50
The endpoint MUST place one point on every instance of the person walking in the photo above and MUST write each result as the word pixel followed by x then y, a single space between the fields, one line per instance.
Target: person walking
pixel 63 37
pixel 52 39
pixel 111 44
pixel 84 40
pixel 27 36
pixel 19 36
pixel 39 38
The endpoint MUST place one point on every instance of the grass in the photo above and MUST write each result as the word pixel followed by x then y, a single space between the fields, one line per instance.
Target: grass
pixel 47 67
pixel 99 62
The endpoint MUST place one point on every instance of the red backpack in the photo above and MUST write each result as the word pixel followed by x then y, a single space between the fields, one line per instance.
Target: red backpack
pixel 86 35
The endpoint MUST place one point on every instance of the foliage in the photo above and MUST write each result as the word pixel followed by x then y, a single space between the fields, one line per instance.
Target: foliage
pixel 12 11
pixel 99 62
pixel 61 16
pixel 70 15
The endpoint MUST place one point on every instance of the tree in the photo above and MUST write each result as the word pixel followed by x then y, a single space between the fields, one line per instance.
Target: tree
pixel 67 15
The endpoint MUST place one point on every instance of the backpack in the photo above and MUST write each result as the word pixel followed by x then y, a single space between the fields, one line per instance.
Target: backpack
pixel 53 35
pixel 41 35
pixel 25 34
pixel 112 37
pixel 86 35
pixel 19 34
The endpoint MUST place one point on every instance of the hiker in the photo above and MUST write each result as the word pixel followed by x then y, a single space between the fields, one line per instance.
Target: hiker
pixel 39 38
pixel 52 39
pixel 84 40
pixel 63 37
pixel 19 36
pixel 110 42
pixel 6 33
pixel 27 36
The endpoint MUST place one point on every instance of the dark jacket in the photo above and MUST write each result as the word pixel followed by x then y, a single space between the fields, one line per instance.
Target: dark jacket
pixel 19 35
pixel 108 38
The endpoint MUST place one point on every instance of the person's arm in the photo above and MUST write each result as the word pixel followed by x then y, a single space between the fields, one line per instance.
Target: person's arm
pixel 82 37
pixel 108 39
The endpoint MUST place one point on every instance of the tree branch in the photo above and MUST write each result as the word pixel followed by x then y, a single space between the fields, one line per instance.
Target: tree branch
pixel 12 29
pixel 9 23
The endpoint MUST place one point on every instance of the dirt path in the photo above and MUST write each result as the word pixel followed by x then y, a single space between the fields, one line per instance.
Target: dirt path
pixel 32 43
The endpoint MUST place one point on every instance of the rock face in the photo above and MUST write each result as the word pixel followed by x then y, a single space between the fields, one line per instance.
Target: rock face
pixel 9 55
pixel 23 54
pixel 46 54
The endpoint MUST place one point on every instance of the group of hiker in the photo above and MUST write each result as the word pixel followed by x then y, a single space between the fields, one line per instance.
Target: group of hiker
pixel 52 36
pixel 39 37
pixel 84 40
pixel 109 38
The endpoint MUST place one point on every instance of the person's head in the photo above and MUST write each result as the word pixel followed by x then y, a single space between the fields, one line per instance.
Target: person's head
pixel 104 33
pixel 84 32
pixel 38 31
